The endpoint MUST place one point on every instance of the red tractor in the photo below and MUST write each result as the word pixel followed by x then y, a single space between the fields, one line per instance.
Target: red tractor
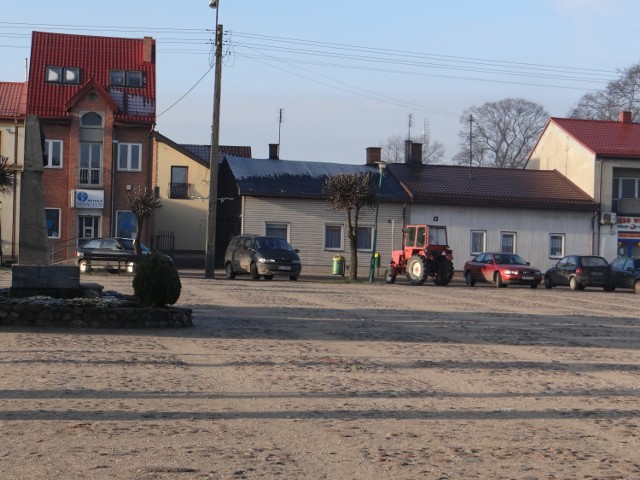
pixel 425 253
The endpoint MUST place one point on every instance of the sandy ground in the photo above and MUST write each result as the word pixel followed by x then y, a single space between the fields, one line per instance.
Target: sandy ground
pixel 319 379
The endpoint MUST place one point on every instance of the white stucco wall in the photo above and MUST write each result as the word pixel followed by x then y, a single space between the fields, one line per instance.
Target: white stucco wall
pixel 557 150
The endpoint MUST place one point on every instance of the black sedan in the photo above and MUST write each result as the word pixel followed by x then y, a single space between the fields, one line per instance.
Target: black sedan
pixel 114 253
pixel 626 273
pixel 578 272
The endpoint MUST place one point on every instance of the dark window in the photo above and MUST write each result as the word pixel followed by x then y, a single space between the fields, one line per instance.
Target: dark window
pixel 52 216
pixel 179 186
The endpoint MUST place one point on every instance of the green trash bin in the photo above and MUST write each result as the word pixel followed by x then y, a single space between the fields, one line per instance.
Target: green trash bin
pixel 338 265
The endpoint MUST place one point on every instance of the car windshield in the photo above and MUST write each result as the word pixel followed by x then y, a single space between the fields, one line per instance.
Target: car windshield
pixel 272 243
pixel 594 262
pixel 508 259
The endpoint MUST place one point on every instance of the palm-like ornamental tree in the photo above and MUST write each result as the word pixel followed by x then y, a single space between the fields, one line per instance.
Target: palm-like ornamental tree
pixel 143 203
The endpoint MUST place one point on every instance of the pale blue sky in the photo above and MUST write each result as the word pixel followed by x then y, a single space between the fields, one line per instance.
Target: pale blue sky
pixel 424 57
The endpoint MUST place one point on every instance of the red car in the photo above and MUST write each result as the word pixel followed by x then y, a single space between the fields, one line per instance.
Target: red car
pixel 502 269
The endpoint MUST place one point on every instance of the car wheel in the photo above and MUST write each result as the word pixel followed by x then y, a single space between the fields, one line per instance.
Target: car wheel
pixel 293 278
pixel 499 282
pixel 609 288
pixel 547 283
pixel 84 266
pixel 636 286
pixel 228 271
pixel 268 277
pixel 254 271
pixel 574 285
pixel 468 279
pixel 535 285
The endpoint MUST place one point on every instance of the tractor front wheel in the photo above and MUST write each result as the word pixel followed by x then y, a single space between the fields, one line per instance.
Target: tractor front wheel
pixel 417 270
pixel 390 275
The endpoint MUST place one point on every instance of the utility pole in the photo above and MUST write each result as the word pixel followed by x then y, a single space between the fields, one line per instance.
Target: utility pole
pixel 210 256
pixel 471 119
pixel 280 118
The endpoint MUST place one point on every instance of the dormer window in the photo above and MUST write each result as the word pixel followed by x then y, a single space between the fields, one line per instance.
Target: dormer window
pixel 68 75
pixel 125 78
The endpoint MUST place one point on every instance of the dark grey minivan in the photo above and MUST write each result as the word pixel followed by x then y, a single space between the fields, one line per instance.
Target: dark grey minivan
pixel 261 256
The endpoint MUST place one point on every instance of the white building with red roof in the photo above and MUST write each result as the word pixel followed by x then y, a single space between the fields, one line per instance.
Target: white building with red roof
pixel 603 159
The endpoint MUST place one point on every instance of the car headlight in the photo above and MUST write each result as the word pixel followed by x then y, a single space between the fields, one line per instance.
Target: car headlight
pixel 295 261
pixel 509 272
pixel 265 260
pixel 537 272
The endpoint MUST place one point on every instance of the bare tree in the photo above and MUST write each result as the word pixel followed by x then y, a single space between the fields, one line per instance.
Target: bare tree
pixel 143 203
pixel 619 95
pixel 351 193
pixel 502 133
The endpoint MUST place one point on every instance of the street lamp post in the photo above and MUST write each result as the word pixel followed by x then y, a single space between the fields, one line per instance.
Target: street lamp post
pixel 210 255
pixel 381 167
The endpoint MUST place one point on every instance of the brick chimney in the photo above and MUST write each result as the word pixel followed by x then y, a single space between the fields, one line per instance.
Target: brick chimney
pixel 412 153
pixel 274 149
pixel 374 155
pixel 148 50
pixel 625 117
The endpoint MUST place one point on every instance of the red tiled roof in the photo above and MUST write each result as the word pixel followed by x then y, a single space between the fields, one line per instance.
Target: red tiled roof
pixel 605 138
pixel 95 57
pixel 492 187
pixel 13 99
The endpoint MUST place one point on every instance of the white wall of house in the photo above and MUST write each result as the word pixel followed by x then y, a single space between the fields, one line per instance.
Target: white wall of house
pixel 532 228
pixel 557 150
pixel 307 220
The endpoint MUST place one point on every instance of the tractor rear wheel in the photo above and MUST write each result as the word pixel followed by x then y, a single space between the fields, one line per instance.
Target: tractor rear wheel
pixel 417 270
pixel 444 272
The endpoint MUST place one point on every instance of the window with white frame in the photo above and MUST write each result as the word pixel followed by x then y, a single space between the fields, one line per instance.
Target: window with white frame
pixel 52 219
pixel 508 242
pixel 129 155
pixel 556 245
pixel 52 155
pixel 280 230
pixel 333 237
pixel 364 238
pixel 126 224
pixel 478 241
pixel 90 168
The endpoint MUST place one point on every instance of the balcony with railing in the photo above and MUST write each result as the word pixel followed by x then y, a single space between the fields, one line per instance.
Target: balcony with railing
pixel 90 177
pixel 178 190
